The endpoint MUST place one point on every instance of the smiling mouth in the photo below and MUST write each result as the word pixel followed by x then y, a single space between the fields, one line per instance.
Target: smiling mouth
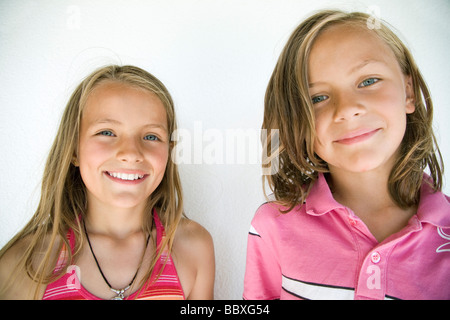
pixel 126 176
pixel 357 137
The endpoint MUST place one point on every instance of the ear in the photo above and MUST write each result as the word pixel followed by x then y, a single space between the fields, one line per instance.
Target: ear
pixel 75 161
pixel 410 97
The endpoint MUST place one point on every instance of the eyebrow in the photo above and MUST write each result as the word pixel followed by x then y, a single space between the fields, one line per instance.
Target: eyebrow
pixel 363 64
pixel 106 120
pixel 352 70
pixel 311 85
pixel 117 122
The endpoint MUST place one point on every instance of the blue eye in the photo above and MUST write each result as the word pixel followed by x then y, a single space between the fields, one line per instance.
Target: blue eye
pixel 368 82
pixel 318 99
pixel 151 137
pixel 106 133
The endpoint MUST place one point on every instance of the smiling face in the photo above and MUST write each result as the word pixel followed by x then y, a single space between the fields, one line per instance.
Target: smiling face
pixel 123 146
pixel 360 98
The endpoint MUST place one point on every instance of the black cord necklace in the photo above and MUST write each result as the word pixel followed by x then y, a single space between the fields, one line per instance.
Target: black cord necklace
pixel 120 292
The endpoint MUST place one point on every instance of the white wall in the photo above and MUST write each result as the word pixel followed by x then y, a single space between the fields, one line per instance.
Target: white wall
pixel 214 56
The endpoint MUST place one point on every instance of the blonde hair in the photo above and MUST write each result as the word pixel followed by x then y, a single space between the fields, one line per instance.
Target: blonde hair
pixel 288 108
pixel 63 193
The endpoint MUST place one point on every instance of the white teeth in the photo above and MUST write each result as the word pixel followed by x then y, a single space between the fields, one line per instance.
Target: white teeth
pixel 126 176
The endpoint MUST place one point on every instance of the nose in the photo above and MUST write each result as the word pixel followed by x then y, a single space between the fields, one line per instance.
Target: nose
pixel 129 150
pixel 347 106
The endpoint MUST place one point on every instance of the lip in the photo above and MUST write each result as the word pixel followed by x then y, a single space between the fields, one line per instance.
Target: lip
pixel 356 136
pixel 109 173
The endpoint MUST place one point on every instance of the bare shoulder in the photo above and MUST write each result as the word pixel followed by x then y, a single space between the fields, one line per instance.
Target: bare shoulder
pixel 192 236
pixel 193 253
pixel 18 286
pixel 15 282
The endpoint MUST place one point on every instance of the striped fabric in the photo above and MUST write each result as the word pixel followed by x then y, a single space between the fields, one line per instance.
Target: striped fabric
pixel 166 287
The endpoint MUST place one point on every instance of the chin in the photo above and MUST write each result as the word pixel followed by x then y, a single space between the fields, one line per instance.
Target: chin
pixel 361 164
pixel 127 202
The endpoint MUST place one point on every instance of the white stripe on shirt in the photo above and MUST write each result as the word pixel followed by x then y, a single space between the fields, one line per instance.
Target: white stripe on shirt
pixel 315 291
pixel 312 291
pixel 253 231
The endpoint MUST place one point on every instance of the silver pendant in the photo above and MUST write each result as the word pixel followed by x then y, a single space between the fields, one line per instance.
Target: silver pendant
pixel 119 293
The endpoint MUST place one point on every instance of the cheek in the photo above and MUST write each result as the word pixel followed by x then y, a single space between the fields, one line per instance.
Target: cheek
pixel 320 150
pixel 391 99
pixel 159 157
pixel 162 163
pixel 159 162
pixel 86 165
pixel 392 107
pixel 321 126
pixel 91 153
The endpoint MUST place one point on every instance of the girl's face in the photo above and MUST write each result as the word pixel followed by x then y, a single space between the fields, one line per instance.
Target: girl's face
pixel 360 98
pixel 124 145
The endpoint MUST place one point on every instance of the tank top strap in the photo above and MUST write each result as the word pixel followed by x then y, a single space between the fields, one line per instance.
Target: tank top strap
pixel 71 238
pixel 63 257
pixel 160 231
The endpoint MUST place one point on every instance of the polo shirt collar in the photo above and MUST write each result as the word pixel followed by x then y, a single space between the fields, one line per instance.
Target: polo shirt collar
pixel 320 199
pixel 434 207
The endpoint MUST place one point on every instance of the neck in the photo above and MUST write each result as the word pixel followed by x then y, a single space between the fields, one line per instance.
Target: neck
pixel 367 195
pixel 354 190
pixel 118 223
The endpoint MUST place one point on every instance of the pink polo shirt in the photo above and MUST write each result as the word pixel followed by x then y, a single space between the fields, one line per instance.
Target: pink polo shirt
pixel 322 250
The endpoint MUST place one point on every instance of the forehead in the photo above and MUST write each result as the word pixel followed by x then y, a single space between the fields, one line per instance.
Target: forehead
pixel 343 44
pixel 119 101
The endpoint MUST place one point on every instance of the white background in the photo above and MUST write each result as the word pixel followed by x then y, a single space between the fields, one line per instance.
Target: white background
pixel 215 57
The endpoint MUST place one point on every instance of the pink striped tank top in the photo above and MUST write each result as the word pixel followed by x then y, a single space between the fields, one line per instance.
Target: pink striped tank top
pixel 166 287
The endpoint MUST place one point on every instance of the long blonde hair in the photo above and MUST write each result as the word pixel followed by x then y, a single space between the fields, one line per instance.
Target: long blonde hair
pixel 288 108
pixel 63 193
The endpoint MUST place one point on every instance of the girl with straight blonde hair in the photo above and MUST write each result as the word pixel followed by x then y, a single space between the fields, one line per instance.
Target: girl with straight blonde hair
pixel 110 221
pixel 353 214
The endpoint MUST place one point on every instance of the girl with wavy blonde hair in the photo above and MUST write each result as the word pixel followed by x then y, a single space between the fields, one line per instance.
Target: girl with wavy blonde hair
pixel 351 202
pixel 110 220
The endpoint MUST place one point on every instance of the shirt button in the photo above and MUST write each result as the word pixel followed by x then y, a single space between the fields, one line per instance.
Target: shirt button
pixel 375 257
pixel 352 222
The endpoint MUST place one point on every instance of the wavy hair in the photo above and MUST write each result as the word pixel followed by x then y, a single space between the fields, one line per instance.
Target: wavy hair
pixel 63 193
pixel 288 108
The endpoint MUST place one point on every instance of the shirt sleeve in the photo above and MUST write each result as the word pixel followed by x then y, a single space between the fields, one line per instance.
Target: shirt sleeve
pixel 262 279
